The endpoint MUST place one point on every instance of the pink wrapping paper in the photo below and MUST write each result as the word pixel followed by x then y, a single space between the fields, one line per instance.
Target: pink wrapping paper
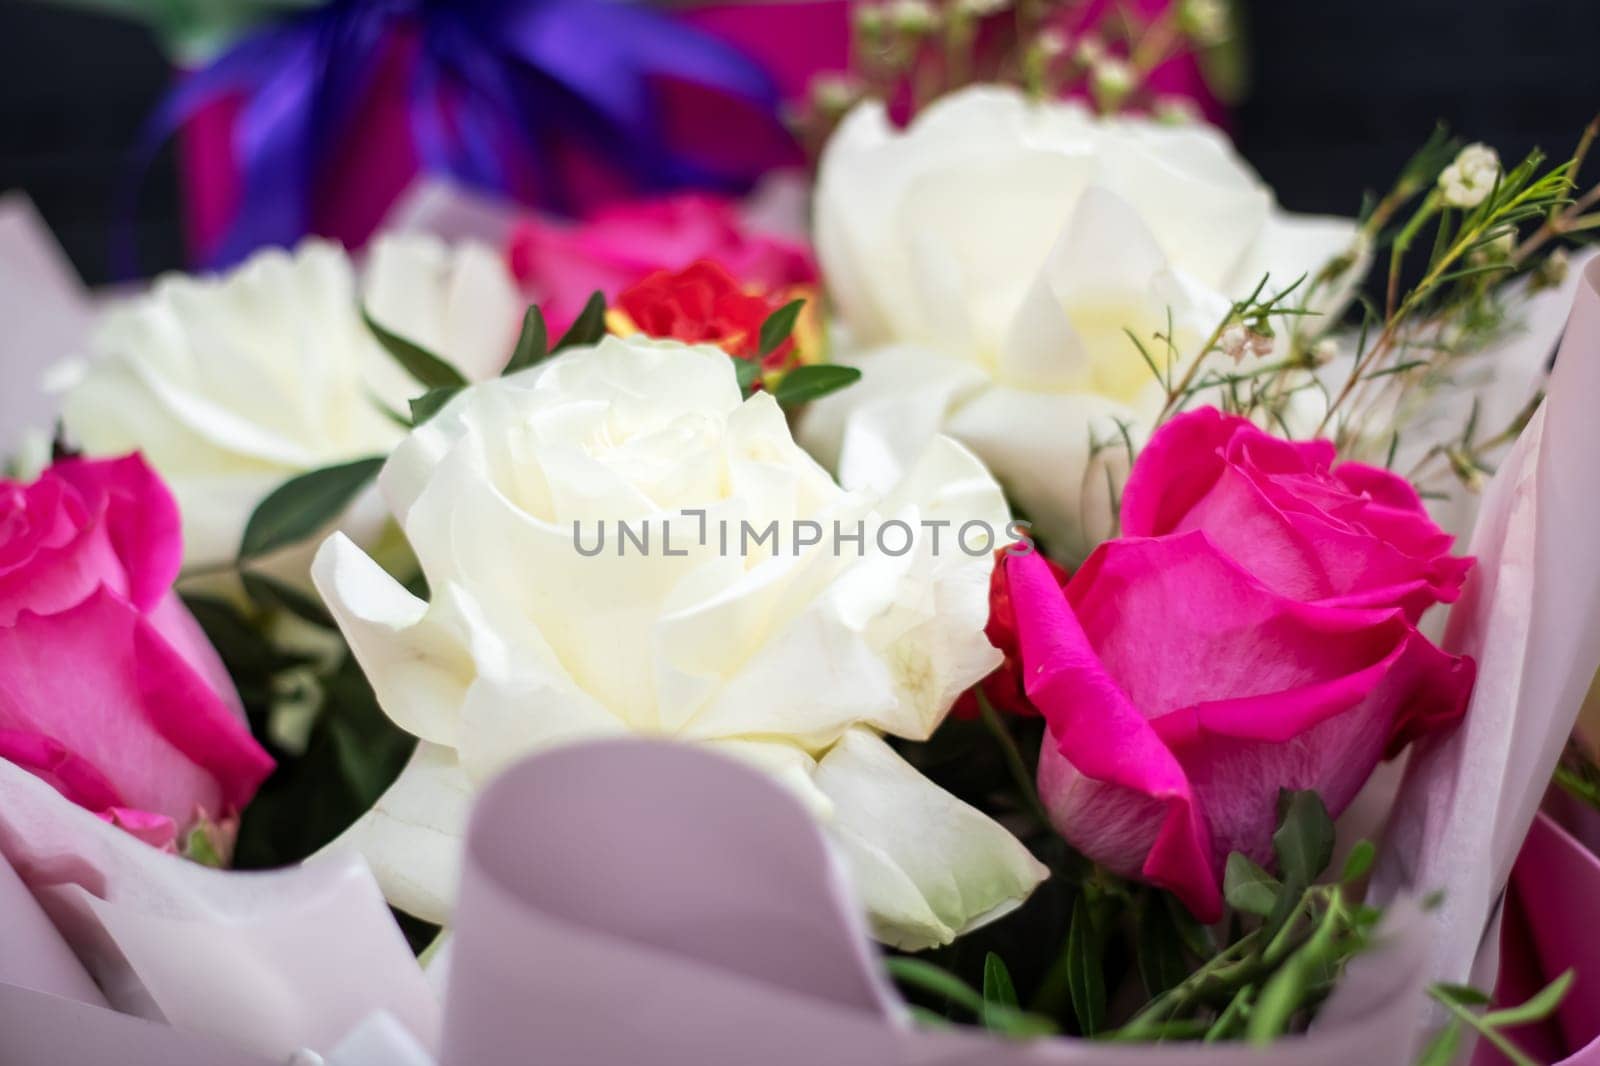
pixel 1531 616
pixel 264 962
pixel 47 314
pixel 1550 927
pixel 670 906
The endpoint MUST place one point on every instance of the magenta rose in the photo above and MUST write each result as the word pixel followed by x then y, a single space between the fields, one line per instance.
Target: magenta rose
pixel 108 688
pixel 558 264
pixel 1346 534
pixel 1252 630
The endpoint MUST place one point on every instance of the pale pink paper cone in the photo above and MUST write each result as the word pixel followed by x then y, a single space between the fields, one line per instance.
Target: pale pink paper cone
pixel 47 315
pixel 266 962
pixel 1530 615
pixel 645 903
pixel 37 1029
pixel 32 953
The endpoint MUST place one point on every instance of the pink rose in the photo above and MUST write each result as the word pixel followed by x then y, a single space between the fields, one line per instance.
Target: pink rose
pixel 1252 630
pixel 108 688
pixel 559 264
pixel 1349 534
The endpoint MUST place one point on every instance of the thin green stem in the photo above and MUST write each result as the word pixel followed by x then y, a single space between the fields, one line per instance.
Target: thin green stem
pixel 1015 763
pixel 1489 1033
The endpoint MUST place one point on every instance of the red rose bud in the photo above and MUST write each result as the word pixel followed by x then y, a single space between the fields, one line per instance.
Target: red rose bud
pixel 702 304
pixel 1003 687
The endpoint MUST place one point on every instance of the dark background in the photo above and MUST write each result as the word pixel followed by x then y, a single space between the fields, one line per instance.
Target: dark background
pixel 1342 92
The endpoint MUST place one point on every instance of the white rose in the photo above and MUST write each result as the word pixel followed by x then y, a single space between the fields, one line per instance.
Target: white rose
pixel 797 660
pixel 231 385
pixel 985 263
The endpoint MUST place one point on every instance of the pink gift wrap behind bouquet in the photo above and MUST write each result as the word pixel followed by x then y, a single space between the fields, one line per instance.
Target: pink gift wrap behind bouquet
pixel 1550 927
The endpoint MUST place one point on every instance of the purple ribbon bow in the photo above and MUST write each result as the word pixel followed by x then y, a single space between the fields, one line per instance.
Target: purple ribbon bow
pixel 495 84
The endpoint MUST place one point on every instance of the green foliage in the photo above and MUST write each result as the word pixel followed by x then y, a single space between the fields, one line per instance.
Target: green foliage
pixel 1288 941
pixel 806 383
pixel 588 327
pixel 1085 969
pixel 1578 775
pixel 431 403
pixel 778 325
pixel 1462 1001
pixel 748 373
pixel 353 753
pixel 1249 888
pixel 533 342
pixel 998 991
pixel 428 369
pixel 269 593
pixel 304 505
pixel 927 981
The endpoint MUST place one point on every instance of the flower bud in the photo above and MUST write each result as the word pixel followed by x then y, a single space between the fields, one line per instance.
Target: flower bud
pixel 1204 21
pixel 1552 271
pixel 915 18
pixel 1175 111
pixel 832 94
pixel 1110 81
pixel 1467 181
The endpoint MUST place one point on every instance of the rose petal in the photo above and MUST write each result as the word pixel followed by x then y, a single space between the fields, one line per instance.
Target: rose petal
pixel 928 866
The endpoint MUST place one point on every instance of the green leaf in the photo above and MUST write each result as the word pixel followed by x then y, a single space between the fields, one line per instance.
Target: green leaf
pixel 1248 887
pixel 1085 981
pixel 269 592
pixel 1358 862
pixel 533 343
pixel 1158 946
pixel 998 991
pixel 778 325
pixel 1465 995
pixel 929 1019
pixel 806 383
pixel 420 363
pixel 1303 841
pixel 747 371
pixel 200 847
pixel 305 504
pixel 1541 1006
pixel 927 977
pixel 431 403
pixel 588 327
pixel 246 653
pixel 1441 1050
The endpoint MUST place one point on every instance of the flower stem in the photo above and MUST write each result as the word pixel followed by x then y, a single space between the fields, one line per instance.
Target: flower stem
pixel 1009 751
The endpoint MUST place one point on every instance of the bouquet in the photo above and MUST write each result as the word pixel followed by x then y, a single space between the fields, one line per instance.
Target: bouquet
pixel 1150 617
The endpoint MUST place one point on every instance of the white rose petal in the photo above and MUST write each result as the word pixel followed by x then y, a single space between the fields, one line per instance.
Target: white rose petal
pixel 412 836
pixel 231 385
pixel 929 866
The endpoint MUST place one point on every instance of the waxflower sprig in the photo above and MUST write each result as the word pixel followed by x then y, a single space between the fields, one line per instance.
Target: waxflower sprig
pixel 1412 346
pixel 1273 358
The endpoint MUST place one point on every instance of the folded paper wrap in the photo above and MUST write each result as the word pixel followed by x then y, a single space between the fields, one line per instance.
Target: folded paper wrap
pixel 1530 615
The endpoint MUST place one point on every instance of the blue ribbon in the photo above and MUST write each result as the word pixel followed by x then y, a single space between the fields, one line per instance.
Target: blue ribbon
pixel 496 82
